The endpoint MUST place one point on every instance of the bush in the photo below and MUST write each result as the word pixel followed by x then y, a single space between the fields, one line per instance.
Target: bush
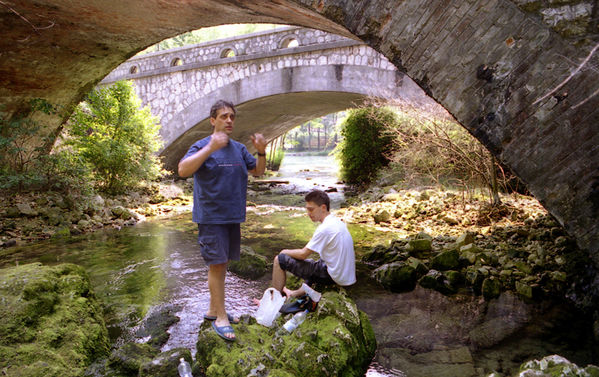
pixel 367 144
pixel 23 168
pixel 115 138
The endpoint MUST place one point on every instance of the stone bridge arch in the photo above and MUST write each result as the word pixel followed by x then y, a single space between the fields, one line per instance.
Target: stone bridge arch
pixel 497 66
pixel 293 95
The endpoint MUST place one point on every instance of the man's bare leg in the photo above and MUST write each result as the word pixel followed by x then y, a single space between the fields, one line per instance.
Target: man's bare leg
pixel 279 276
pixel 216 285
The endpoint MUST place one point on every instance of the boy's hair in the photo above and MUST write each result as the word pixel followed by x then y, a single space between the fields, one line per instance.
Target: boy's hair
pixel 319 197
pixel 221 104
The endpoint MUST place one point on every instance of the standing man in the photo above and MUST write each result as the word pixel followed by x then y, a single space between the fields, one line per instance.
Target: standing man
pixel 331 240
pixel 220 168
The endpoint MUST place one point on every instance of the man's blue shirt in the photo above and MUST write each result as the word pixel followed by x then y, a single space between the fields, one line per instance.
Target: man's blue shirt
pixel 220 184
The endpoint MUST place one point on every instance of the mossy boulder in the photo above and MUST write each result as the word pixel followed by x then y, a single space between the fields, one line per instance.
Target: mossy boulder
pixel 556 366
pixel 250 265
pixel 446 260
pixel 437 281
pixel 335 340
pixel 397 276
pixel 491 288
pixel 380 254
pixel 51 323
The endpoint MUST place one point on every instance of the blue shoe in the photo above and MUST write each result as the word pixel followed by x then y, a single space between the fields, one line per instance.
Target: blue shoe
pixel 229 316
pixel 301 304
pixel 222 330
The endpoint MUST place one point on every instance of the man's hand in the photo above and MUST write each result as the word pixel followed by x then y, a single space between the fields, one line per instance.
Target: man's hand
pixel 218 140
pixel 259 142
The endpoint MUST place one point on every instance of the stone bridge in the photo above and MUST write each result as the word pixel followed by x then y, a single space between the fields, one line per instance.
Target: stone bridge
pixel 278 80
pixel 518 74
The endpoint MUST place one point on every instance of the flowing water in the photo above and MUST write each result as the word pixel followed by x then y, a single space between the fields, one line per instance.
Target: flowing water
pixel 156 264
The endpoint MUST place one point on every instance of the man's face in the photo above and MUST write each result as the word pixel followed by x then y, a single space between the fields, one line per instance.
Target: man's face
pixel 316 212
pixel 225 118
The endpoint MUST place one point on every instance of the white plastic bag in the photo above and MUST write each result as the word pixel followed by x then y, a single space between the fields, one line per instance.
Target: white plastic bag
pixel 268 310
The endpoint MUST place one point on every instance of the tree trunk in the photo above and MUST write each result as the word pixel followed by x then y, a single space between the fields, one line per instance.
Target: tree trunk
pixel 494 185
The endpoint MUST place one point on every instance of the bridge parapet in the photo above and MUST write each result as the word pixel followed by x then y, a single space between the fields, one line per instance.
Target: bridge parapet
pixel 224 51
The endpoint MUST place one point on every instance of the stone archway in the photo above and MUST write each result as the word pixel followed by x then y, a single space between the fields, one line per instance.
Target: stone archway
pixel 497 67
pixel 293 96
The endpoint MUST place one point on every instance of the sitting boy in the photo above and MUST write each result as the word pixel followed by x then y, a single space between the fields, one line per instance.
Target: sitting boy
pixel 334 244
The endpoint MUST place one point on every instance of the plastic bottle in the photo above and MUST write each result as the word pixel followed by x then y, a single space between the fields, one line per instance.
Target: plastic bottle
pixel 295 321
pixel 184 368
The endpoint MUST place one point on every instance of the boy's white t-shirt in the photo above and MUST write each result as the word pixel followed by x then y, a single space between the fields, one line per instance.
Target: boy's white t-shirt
pixel 336 248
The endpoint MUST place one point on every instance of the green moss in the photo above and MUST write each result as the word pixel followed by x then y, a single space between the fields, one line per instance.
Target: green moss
pixel 337 339
pixel 50 321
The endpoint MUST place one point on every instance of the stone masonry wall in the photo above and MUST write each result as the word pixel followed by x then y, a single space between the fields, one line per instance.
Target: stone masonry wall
pixel 168 90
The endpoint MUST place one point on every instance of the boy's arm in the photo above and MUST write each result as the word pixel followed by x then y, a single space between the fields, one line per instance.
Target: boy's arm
pixel 300 254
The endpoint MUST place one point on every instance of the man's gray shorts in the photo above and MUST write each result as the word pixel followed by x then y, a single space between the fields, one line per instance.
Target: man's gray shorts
pixel 219 243
pixel 313 272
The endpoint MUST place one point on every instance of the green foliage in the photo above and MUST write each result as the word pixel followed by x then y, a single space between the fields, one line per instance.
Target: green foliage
pixel 367 144
pixel 27 168
pixel 317 134
pixel 209 34
pixel 115 138
pixel 275 163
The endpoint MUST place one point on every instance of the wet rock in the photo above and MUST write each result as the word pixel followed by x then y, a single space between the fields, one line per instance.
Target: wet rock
pixel 446 260
pixel 443 362
pixel 397 276
pixel 558 366
pixel 128 359
pixel 491 288
pixel 437 281
pixel 250 265
pixel 524 290
pixel 418 245
pixel 165 364
pixel 336 340
pixel 418 265
pixel 50 321
pixel 156 324
pixel 380 254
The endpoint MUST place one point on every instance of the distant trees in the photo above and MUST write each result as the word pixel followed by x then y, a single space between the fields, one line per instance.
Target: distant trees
pixel 319 134
pixel 209 34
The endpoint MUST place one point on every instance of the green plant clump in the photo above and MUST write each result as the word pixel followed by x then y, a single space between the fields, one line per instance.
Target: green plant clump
pixel 367 144
pixel 116 138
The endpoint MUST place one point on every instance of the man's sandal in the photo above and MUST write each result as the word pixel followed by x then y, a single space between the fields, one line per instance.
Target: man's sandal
pixel 229 316
pixel 222 330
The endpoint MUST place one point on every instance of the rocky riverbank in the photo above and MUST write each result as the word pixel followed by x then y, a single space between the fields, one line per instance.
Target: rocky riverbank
pixel 31 217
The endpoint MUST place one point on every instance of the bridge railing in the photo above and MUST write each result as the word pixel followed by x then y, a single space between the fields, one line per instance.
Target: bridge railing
pixel 280 41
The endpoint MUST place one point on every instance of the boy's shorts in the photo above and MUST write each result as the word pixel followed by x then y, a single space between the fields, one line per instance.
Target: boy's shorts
pixel 219 243
pixel 313 272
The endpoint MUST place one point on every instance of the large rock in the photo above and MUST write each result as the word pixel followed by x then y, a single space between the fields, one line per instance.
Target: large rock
pixel 397 276
pixel 556 366
pixel 50 321
pixel 250 265
pixel 446 260
pixel 335 340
